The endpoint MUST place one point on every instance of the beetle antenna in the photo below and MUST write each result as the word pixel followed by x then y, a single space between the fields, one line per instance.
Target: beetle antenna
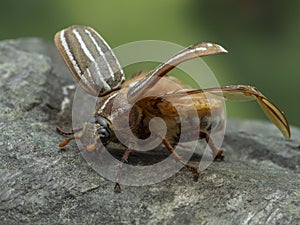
pixel 60 131
pixel 65 142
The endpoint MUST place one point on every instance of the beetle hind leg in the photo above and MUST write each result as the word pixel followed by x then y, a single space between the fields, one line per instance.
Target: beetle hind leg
pixel 217 152
pixel 194 169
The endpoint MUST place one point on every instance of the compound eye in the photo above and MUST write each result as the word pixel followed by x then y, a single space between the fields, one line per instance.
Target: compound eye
pixel 103 132
pixel 105 135
pixel 101 121
pixel 102 128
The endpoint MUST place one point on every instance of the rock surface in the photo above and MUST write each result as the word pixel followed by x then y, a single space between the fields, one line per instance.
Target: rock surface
pixel 257 183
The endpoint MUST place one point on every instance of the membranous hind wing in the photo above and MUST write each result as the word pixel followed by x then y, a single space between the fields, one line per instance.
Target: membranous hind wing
pixel 90 59
pixel 246 93
pixel 136 91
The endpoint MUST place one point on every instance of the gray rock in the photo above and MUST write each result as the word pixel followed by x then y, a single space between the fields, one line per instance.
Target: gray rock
pixel 257 183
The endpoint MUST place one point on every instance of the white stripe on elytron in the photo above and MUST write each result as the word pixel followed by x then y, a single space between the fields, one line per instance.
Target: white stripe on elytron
pixel 195 50
pixel 106 102
pixel 140 84
pixel 89 55
pixel 184 53
pixel 169 62
pixel 83 45
pixel 71 58
pixel 101 53
pixel 101 80
pixel 116 60
pixel 88 72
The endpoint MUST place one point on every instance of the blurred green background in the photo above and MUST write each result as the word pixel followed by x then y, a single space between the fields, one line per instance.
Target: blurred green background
pixel 262 36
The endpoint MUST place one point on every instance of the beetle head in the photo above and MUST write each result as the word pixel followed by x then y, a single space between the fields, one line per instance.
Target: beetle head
pixel 102 129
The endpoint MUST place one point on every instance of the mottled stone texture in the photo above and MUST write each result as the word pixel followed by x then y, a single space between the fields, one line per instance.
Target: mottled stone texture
pixel 257 183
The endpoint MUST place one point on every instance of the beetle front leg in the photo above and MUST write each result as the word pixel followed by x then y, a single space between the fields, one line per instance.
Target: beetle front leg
pixel 125 156
pixel 217 153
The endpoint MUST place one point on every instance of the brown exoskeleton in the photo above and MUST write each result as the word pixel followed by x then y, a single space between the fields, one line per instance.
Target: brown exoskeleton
pixel 147 95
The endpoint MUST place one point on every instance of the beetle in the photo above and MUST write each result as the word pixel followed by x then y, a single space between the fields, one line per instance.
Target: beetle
pixel 148 95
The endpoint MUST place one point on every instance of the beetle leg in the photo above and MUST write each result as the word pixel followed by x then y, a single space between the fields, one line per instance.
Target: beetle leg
pixel 217 153
pixel 194 169
pixel 125 156
pixel 65 142
pixel 62 132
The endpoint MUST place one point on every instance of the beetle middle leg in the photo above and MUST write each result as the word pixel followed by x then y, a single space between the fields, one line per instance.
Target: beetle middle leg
pixel 194 169
pixel 217 153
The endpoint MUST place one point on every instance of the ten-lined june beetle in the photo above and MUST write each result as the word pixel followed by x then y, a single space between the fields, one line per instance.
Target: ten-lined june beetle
pixel 98 72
